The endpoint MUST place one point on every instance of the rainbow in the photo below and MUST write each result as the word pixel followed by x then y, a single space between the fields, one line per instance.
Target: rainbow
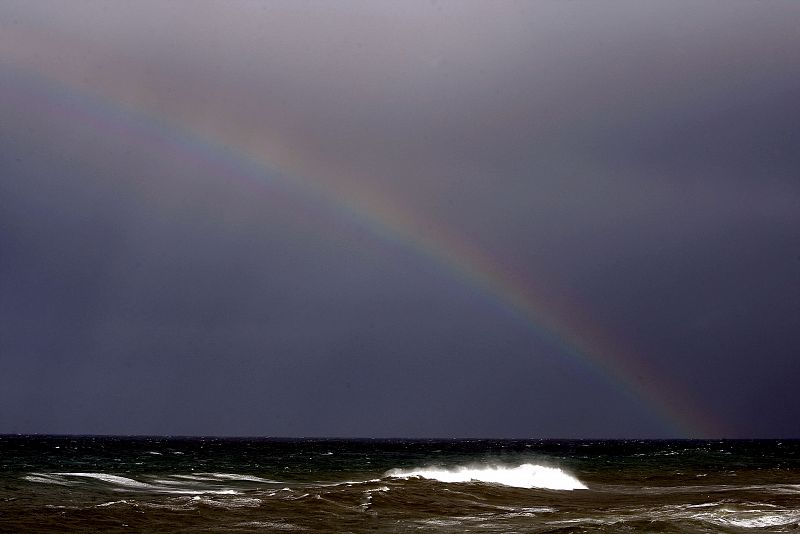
pixel 521 293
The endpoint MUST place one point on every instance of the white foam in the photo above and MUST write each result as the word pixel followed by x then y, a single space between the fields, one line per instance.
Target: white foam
pixel 175 506
pixel 111 503
pixel 368 496
pixel 170 482
pixel 124 483
pixel 229 504
pixel 42 478
pixel 751 518
pixel 112 479
pixel 246 478
pixel 195 478
pixel 523 476
pixel 784 488
pixel 532 511
pixel 272 525
pixel 442 522
pixel 727 514
pixel 350 482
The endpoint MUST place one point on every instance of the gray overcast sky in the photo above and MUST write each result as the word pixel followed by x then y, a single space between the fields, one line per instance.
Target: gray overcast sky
pixel 263 218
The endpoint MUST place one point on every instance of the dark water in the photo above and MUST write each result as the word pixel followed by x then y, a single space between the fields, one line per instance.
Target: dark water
pixel 103 484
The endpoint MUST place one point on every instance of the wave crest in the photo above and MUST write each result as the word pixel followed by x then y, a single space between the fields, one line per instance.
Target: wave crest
pixel 522 476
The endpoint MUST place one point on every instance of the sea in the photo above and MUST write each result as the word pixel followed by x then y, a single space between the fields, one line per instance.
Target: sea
pixel 173 484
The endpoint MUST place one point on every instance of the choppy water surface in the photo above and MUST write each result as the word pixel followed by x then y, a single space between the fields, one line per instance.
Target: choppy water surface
pixel 86 484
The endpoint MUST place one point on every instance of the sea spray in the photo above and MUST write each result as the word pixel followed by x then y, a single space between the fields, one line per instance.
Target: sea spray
pixel 522 476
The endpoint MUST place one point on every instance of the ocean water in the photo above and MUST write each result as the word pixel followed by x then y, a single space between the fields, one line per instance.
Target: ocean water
pixel 153 484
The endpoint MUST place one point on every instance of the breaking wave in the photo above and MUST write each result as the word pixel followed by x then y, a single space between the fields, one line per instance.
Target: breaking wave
pixel 244 478
pixel 44 478
pixel 523 476
pixel 111 479
pixel 121 483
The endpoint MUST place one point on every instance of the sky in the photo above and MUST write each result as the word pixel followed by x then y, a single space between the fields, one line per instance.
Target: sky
pixel 400 219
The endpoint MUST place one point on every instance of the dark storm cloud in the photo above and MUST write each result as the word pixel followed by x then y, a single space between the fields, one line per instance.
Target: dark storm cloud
pixel 640 157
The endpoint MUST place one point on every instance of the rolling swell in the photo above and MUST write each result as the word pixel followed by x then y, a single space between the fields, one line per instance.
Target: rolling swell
pixel 92 484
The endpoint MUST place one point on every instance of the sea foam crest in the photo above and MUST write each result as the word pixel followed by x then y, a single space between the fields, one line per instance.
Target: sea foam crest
pixel 523 476
pixel 123 483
